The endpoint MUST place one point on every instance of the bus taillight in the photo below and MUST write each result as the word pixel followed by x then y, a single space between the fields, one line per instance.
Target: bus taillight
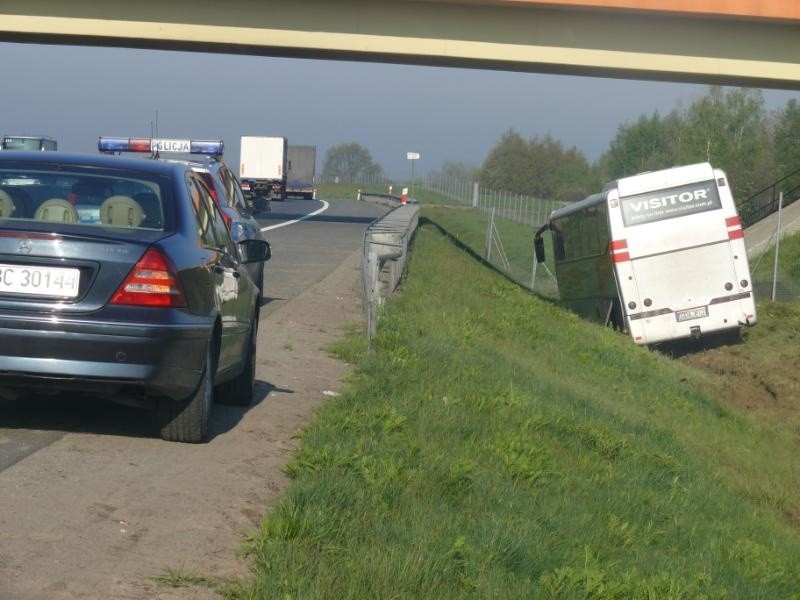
pixel 734 225
pixel 619 251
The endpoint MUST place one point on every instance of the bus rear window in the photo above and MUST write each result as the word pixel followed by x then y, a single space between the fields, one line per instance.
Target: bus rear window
pixel 670 203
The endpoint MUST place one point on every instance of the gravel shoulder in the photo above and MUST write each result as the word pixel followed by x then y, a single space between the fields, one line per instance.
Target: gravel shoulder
pixel 97 516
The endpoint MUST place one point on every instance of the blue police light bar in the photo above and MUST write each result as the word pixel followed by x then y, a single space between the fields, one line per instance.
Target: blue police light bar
pixel 158 145
pixel 210 147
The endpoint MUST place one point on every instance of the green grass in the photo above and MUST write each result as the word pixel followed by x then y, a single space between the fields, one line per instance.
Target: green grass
pixel 788 270
pixel 180 578
pixel 469 227
pixel 494 446
pixel 433 197
pixel 346 191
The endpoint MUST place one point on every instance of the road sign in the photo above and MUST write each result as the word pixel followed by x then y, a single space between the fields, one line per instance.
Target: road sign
pixel 412 155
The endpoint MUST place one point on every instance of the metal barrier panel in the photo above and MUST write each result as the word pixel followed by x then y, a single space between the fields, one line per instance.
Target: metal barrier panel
pixel 385 252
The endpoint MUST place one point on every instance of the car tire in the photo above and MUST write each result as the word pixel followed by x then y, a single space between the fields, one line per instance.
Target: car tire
pixel 260 283
pixel 239 391
pixel 187 420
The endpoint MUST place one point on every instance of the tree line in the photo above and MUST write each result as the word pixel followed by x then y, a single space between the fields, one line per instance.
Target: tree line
pixel 730 128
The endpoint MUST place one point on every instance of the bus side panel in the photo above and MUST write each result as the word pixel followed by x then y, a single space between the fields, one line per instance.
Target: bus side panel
pixel 583 267
pixel 586 286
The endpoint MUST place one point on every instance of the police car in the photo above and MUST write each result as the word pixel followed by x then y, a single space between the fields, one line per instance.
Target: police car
pixel 205 157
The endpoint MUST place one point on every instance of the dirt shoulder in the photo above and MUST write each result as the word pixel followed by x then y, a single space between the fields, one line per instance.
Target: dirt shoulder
pixel 95 516
pixel 759 374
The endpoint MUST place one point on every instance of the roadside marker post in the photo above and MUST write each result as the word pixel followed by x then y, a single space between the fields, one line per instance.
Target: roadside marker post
pixel 404 196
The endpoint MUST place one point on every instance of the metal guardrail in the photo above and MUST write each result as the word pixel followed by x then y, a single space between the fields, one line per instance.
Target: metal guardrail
pixel 384 257
pixel 387 199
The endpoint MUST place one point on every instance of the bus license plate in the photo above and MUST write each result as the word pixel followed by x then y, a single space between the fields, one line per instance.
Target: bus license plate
pixel 692 313
pixel 39 281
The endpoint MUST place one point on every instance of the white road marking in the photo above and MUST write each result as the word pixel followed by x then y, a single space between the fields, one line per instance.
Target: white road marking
pixel 325 207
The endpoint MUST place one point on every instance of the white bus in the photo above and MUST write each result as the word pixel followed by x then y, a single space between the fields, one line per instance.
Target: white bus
pixel 28 142
pixel 660 255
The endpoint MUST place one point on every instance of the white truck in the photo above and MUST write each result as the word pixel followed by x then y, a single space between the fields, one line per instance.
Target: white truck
pixel 263 166
pixel 301 180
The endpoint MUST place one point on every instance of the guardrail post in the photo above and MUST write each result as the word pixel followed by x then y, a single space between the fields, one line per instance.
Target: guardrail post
pixel 372 304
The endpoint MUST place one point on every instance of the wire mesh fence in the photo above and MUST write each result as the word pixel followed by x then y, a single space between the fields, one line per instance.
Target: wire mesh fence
pixel 775 269
pixel 505 223
pixel 436 188
pixel 501 225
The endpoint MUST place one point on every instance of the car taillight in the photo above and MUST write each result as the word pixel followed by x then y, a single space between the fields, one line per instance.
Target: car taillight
pixel 152 282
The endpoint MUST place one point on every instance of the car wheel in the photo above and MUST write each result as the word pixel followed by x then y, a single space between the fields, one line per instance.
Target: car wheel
pixel 187 420
pixel 239 391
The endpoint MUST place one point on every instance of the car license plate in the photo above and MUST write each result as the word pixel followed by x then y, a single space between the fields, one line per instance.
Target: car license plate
pixel 39 281
pixel 692 313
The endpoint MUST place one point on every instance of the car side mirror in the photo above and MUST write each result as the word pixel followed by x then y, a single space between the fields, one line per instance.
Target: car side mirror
pixel 253 251
pixel 538 248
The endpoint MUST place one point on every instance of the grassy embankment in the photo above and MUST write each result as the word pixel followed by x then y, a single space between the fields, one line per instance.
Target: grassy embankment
pixel 469 228
pixel 494 445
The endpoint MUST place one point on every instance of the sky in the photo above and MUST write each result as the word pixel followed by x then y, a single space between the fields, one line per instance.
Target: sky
pixel 76 94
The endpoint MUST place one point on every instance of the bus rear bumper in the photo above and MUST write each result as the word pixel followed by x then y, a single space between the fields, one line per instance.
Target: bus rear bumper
pixel 654 327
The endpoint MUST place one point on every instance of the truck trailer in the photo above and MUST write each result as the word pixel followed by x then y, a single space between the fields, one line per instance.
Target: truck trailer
pixel 263 166
pixel 301 179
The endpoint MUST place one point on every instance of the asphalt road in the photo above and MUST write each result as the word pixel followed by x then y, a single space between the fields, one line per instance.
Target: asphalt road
pixel 761 236
pixel 303 253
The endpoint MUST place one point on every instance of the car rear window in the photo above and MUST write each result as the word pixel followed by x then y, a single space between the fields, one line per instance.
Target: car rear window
pixel 82 197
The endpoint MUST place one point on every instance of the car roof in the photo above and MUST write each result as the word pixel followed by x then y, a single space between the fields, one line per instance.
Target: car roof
pixel 107 161
pixel 197 163
pixel 194 164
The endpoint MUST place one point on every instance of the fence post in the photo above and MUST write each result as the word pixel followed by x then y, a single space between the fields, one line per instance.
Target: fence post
pixel 777 248
pixel 476 194
pixel 489 231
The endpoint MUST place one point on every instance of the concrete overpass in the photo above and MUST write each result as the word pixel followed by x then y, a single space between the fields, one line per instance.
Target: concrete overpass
pixel 736 42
